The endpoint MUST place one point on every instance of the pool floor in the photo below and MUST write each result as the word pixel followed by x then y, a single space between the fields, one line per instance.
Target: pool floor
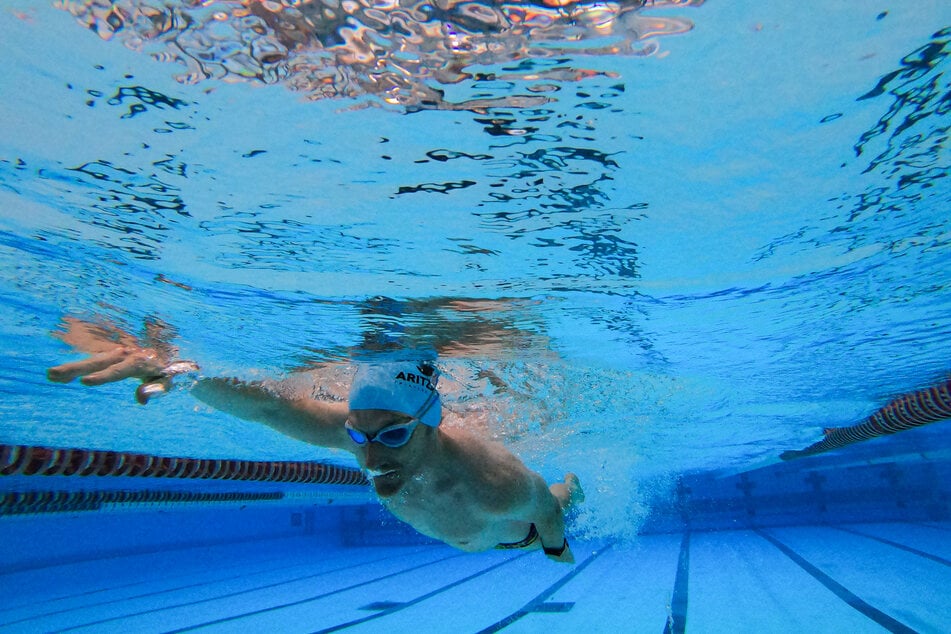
pixel 846 578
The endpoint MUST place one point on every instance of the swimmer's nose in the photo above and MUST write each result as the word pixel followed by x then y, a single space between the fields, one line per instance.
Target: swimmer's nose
pixel 371 455
pixel 374 455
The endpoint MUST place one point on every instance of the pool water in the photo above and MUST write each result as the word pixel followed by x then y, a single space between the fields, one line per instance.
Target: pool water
pixel 658 247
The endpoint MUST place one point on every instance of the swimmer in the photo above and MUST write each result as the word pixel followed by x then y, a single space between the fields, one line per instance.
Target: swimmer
pixel 464 490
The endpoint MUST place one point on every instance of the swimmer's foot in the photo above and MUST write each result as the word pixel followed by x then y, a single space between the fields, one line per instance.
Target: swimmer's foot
pixel 575 492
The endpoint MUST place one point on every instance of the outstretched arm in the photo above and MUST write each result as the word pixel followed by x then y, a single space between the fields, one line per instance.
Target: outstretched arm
pixel 117 355
pixel 316 422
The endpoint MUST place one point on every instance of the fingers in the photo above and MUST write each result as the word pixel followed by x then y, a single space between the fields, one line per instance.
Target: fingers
pixel 92 338
pixel 134 366
pixel 68 371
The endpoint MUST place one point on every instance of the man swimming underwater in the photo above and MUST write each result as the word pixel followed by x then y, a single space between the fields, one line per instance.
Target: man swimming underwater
pixel 469 492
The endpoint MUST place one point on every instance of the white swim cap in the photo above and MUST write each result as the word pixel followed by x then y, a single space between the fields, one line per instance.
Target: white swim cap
pixel 407 387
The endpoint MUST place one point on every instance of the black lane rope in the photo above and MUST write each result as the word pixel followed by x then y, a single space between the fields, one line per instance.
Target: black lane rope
pixel 922 407
pixel 25 460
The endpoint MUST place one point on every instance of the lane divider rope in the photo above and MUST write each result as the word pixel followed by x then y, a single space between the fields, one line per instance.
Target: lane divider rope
pixel 26 460
pixel 922 407
pixel 35 502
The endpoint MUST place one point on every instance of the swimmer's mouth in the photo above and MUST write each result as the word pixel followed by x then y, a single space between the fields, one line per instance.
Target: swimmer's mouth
pixel 379 473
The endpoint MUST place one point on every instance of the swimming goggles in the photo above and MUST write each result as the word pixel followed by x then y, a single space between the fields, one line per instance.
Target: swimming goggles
pixel 392 435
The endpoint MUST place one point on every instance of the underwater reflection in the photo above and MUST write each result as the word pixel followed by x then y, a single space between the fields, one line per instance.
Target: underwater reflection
pixel 391 50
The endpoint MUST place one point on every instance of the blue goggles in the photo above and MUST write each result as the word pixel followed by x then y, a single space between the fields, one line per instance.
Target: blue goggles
pixel 391 436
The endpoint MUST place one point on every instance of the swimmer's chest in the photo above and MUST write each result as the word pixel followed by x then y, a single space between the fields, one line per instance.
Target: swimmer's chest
pixel 449 511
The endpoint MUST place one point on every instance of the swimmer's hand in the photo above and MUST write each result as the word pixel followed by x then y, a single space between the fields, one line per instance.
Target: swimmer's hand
pixel 117 355
pixel 561 554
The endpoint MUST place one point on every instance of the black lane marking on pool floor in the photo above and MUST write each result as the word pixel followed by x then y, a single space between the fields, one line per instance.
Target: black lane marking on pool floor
pixel 535 605
pixel 421 598
pixel 677 621
pixel 941 527
pixel 554 606
pixel 33 602
pixel 76 626
pixel 853 600
pixel 323 595
pixel 201 584
pixel 247 568
pixel 914 551
pixel 382 605
pixel 137 552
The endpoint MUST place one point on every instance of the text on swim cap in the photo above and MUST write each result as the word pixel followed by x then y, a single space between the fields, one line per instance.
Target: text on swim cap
pixel 417 379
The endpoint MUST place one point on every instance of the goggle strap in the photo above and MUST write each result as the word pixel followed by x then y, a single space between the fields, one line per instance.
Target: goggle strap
pixel 427 405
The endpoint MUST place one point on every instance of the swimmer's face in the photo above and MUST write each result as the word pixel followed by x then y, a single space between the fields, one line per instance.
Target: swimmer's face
pixel 387 467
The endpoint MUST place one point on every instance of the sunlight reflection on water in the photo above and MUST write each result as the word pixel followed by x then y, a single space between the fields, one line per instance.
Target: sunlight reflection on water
pixel 388 50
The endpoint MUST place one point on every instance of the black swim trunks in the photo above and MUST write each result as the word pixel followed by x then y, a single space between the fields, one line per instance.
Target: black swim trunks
pixel 530 539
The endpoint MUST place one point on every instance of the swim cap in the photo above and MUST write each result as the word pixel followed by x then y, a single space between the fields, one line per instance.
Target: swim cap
pixel 408 388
